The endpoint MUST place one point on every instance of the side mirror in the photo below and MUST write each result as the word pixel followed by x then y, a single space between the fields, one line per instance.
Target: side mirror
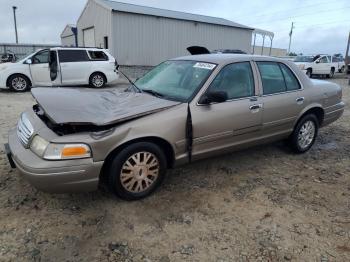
pixel 29 61
pixel 213 97
pixel 317 61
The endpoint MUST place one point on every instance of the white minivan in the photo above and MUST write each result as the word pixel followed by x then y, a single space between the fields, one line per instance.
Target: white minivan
pixel 60 66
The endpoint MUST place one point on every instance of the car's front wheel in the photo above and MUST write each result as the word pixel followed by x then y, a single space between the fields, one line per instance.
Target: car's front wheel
pixel 304 134
pixel 19 83
pixel 309 72
pixel 97 80
pixel 137 170
pixel 331 73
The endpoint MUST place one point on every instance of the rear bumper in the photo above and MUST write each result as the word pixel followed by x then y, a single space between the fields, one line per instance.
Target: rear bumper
pixel 333 114
pixel 53 176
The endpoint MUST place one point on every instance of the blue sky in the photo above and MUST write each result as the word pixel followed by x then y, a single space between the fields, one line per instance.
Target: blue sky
pixel 320 26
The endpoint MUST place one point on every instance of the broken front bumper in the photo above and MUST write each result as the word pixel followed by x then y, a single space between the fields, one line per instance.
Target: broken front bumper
pixel 66 176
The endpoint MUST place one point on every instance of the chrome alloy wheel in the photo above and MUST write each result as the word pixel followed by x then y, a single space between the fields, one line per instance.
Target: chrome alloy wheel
pixel 306 134
pixel 139 172
pixel 97 80
pixel 19 83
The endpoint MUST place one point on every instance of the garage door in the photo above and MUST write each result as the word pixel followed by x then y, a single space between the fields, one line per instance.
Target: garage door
pixel 89 37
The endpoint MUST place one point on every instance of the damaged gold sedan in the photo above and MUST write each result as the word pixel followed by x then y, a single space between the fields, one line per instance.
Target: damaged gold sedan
pixel 183 110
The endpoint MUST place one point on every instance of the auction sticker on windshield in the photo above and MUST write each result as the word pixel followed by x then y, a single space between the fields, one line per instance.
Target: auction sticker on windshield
pixel 205 66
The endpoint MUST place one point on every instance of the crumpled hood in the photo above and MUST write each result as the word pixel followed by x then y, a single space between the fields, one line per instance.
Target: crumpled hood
pixel 83 106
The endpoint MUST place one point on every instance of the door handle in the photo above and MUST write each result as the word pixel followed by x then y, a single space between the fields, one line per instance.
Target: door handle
pixel 300 100
pixel 255 107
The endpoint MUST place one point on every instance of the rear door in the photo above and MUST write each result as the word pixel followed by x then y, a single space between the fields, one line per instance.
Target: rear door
pixel 39 69
pixel 282 97
pixel 220 126
pixel 75 66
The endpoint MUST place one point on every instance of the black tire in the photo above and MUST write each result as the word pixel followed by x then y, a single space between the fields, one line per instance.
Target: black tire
pixel 295 142
pixel 309 72
pixel 19 83
pixel 119 161
pixel 331 74
pixel 97 80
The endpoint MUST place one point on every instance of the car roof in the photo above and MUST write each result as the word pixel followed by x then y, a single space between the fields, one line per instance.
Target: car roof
pixel 227 58
pixel 77 48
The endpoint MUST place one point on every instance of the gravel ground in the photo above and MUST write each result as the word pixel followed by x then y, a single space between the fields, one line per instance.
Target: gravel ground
pixel 261 204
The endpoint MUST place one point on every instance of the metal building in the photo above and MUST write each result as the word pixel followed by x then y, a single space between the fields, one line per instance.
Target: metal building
pixel 69 36
pixel 145 36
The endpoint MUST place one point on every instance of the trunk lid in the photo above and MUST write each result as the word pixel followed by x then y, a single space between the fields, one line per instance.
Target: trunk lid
pixel 198 50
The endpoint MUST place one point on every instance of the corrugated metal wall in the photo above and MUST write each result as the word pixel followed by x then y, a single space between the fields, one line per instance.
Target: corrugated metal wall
pixel 147 40
pixel 94 15
pixel 68 40
pixel 22 50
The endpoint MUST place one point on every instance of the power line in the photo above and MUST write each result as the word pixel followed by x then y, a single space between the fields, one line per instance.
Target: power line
pixel 315 25
pixel 292 17
pixel 286 10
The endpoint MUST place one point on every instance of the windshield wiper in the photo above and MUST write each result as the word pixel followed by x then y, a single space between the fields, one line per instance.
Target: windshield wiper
pixel 152 92
pixel 138 90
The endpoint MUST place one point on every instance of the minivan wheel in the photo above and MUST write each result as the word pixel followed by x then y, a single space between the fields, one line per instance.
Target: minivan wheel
pixel 19 83
pixel 304 134
pixel 136 171
pixel 97 80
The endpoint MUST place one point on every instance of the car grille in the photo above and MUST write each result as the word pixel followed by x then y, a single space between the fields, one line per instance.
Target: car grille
pixel 25 130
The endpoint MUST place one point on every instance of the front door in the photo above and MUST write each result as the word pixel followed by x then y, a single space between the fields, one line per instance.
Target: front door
pixel 324 66
pixel 283 98
pixel 39 69
pixel 218 127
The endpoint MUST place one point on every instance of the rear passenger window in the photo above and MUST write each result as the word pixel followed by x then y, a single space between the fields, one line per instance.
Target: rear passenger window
pixel 98 55
pixel 272 78
pixel 292 82
pixel 236 80
pixel 66 56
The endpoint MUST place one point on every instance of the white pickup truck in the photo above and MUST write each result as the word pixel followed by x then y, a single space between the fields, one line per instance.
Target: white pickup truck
pixel 325 65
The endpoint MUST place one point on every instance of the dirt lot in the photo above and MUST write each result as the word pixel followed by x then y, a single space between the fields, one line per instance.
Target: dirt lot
pixel 262 204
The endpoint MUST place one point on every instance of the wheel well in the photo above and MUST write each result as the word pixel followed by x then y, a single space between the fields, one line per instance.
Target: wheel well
pixel 8 79
pixel 163 144
pixel 104 76
pixel 317 111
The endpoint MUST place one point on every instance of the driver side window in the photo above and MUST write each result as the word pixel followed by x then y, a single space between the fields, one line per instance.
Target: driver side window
pixel 236 80
pixel 324 59
pixel 41 57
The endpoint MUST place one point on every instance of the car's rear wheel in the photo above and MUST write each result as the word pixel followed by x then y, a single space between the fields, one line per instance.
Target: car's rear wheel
pixel 97 80
pixel 137 170
pixel 19 83
pixel 304 134
pixel 309 72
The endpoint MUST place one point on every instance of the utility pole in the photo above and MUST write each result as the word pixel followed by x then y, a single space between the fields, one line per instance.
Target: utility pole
pixel 14 17
pixel 290 37
pixel 347 58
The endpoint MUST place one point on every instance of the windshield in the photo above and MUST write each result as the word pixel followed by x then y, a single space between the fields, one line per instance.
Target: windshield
pixel 304 59
pixel 176 80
